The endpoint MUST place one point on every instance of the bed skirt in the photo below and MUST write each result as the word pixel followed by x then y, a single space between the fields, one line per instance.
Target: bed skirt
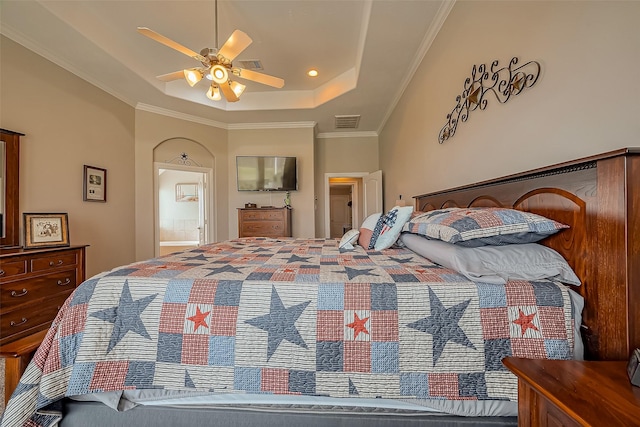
pixel 82 414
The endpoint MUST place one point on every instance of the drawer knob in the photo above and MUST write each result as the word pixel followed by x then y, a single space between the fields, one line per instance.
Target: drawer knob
pixel 51 263
pixel 19 294
pixel 1 273
pixel 65 283
pixel 22 322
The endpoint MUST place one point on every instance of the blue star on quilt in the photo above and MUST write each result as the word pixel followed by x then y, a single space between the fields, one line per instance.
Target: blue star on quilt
pixel 401 260
pixel 224 269
pixel 443 325
pixel 352 272
pixel 188 381
pixel 296 258
pixel 125 316
pixel 353 390
pixel 261 250
pixel 200 257
pixel 280 323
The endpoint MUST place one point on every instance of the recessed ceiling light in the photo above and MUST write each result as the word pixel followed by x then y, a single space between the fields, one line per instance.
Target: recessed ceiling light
pixel 312 73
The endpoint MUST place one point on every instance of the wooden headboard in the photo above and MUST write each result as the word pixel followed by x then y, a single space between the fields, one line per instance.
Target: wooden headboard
pixel 599 198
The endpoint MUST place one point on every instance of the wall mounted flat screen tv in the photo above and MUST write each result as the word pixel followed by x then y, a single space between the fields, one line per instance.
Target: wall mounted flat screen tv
pixel 266 173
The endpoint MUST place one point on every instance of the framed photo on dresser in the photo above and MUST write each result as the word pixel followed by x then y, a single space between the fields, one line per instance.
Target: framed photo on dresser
pixel 45 230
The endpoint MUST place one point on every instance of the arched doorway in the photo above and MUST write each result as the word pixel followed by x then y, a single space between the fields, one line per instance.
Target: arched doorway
pixel 183 196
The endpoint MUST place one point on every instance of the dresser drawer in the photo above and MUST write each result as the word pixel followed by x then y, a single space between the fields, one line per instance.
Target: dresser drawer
pixel 48 262
pixel 263 229
pixel 11 269
pixel 31 316
pixel 266 215
pixel 21 292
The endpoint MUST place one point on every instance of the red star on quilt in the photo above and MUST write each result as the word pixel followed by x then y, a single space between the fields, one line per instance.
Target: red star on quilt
pixel 198 319
pixel 526 322
pixel 358 325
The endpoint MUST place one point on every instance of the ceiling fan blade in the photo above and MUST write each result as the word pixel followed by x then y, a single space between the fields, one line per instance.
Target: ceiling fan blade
pixel 228 92
pixel 254 76
pixel 235 44
pixel 171 76
pixel 170 43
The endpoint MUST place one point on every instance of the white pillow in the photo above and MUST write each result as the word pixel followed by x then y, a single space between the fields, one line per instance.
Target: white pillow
pixel 495 264
pixel 349 238
pixel 389 226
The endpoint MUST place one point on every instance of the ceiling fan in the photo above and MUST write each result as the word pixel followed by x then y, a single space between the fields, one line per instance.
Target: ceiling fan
pixel 217 65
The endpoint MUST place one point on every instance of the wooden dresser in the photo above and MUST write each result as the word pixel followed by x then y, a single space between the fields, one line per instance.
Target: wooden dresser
pixel 34 284
pixel 264 222
pixel 574 393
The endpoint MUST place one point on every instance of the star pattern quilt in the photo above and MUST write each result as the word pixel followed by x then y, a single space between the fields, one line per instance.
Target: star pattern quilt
pixel 292 316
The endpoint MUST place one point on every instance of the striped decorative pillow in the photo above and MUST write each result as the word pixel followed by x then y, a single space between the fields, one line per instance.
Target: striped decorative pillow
pixel 473 227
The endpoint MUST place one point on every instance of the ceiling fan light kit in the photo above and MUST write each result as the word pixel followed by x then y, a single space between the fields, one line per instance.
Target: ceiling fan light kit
pixel 219 74
pixel 217 65
pixel 193 76
pixel 237 88
pixel 214 93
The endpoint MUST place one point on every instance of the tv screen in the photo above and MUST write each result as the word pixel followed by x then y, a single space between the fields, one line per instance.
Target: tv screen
pixel 266 173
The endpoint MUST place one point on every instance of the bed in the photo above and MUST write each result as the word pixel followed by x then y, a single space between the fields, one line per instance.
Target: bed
pixel 354 339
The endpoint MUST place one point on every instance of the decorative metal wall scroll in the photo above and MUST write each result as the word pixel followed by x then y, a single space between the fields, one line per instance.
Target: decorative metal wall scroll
pixel 183 159
pixel 503 83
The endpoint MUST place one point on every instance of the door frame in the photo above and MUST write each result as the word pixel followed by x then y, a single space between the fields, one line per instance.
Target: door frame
pixel 355 214
pixel 208 191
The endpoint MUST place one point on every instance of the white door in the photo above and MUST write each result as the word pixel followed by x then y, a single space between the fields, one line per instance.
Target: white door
pixel 340 212
pixel 202 211
pixel 372 193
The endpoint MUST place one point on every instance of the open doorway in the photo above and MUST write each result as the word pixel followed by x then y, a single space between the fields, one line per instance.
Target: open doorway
pixel 340 209
pixel 365 197
pixel 182 207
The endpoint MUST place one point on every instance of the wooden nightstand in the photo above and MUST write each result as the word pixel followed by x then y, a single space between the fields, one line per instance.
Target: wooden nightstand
pixel 574 393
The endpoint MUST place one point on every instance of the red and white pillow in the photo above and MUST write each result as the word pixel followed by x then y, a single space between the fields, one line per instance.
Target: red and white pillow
pixel 366 229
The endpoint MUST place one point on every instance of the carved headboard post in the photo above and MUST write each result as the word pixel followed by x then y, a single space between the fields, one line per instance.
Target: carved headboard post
pixel 599 198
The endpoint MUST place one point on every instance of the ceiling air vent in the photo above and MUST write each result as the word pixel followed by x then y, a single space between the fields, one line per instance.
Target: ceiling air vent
pixel 252 64
pixel 347 122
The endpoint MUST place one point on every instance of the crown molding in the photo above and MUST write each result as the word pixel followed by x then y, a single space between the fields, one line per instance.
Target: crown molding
pixel 181 116
pixel 226 126
pixel 274 125
pixel 427 41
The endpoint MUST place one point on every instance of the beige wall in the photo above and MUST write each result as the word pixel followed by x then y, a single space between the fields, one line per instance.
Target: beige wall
pixel 295 142
pixel 69 123
pixel 151 130
pixel 341 155
pixel 585 102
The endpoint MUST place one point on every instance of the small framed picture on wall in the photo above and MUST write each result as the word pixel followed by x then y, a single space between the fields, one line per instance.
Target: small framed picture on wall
pixel 94 187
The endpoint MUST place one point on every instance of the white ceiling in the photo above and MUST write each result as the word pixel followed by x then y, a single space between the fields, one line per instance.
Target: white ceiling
pixel 366 51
